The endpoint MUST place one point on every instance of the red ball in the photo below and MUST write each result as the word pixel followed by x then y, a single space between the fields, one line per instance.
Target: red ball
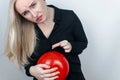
pixel 56 59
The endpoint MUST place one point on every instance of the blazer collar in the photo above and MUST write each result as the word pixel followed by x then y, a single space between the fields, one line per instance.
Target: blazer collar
pixel 57 14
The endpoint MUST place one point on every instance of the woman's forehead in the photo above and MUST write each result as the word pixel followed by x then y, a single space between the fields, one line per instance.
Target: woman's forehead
pixel 22 4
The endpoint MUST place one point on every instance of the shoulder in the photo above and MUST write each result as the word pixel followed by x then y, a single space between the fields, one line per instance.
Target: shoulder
pixel 68 14
pixel 64 13
pixel 64 16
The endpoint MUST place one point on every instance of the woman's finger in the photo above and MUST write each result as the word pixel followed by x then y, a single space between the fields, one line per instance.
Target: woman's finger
pixel 49 70
pixel 55 45
pixel 51 74
pixel 52 78
pixel 43 65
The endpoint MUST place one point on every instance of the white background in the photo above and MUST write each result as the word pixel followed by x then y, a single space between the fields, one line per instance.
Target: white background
pixel 101 22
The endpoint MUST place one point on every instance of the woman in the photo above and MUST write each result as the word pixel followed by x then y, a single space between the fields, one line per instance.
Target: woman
pixel 35 28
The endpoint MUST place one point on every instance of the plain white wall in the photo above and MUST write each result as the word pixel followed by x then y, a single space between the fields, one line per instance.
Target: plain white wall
pixel 101 22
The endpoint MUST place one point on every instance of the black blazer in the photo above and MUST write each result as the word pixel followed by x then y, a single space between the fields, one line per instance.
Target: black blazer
pixel 67 27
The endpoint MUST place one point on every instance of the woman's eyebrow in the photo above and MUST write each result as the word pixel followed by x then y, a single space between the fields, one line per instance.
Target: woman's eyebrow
pixel 30 5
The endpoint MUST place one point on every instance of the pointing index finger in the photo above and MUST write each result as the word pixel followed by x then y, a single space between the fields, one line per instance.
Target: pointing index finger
pixel 55 45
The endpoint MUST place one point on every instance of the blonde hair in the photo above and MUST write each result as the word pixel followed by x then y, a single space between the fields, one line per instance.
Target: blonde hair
pixel 20 37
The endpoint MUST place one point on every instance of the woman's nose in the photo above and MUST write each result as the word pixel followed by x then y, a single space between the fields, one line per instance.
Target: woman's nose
pixel 34 14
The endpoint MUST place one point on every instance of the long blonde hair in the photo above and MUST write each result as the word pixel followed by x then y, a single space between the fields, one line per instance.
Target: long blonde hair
pixel 20 37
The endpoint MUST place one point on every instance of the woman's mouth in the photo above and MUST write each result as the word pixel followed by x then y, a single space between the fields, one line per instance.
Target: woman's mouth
pixel 39 19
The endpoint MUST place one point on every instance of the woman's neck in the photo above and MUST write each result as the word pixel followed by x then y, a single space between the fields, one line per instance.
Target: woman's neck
pixel 50 16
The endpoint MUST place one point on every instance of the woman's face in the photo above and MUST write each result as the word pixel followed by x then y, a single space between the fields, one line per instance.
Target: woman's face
pixel 32 10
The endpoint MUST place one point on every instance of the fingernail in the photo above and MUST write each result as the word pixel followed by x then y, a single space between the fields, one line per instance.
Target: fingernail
pixel 57 76
pixel 56 68
pixel 58 72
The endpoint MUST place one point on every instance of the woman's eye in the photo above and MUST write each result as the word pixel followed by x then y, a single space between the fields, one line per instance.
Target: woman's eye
pixel 25 13
pixel 33 5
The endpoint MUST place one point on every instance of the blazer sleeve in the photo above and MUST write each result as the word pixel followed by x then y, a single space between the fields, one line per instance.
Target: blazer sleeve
pixel 80 40
pixel 32 61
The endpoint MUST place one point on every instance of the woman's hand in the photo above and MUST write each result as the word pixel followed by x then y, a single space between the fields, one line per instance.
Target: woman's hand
pixel 64 44
pixel 43 72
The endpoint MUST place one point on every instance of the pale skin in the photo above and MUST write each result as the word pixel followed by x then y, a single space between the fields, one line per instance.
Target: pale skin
pixel 36 11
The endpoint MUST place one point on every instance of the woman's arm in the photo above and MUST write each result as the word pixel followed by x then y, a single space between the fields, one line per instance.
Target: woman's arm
pixel 80 40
